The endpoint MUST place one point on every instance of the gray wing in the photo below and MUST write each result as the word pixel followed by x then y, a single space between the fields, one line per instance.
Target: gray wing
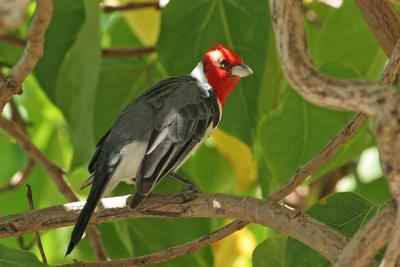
pixel 181 121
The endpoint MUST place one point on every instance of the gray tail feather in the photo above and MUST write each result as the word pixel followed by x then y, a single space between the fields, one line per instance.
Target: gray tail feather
pixel 84 217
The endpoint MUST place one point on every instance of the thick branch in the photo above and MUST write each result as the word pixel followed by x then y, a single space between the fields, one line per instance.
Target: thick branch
pixel 313 233
pixel 32 53
pixel 383 21
pixel 316 87
pixel 381 101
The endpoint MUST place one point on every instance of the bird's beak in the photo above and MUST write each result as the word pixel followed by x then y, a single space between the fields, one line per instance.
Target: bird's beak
pixel 241 70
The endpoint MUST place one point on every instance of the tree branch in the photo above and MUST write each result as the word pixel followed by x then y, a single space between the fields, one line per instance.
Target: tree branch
pixel 37 234
pixel 383 21
pixel 55 173
pixel 131 6
pixel 106 52
pixel 170 253
pixel 13 40
pixel 32 53
pixel 322 238
pixel 321 158
pixel 375 99
pixel 318 88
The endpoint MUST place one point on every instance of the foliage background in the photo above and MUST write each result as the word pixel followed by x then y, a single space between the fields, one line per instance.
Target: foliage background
pixel 267 130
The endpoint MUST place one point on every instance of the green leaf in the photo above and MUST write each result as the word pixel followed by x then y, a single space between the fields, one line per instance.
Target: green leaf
pixel 270 252
pixel 121 79
pixel 67 19
pixel 376 190
pixel 77 83
pixel 188 30
pixel 5 138
pixel 361 50
pixel 144 236
pixel 299 255
pixel 16 258
pixel 294 133
pixel 345 212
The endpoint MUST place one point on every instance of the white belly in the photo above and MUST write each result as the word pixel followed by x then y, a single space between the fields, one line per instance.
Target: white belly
pixel 131 158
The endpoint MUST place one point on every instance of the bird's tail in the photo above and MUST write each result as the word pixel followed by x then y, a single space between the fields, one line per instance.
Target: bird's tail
pixel 94 196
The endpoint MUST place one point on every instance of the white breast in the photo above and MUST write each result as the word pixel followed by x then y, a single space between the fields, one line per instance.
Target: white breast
pixel 131 158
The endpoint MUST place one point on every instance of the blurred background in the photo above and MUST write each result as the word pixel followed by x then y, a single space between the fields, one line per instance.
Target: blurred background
pixel 97 60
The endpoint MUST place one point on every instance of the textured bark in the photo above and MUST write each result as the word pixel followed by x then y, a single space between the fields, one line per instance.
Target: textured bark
pixel 383 21
pixel 322 238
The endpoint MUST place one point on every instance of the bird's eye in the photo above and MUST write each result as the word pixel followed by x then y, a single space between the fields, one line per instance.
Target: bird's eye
pixel 224 64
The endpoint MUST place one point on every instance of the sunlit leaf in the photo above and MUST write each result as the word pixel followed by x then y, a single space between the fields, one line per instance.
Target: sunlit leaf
pixel 234 250
pixel 240 157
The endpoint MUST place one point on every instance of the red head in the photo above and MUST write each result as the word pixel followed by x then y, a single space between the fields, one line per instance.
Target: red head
pixel 223 70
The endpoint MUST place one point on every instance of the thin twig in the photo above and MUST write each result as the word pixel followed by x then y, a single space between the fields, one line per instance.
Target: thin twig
pixel 13 40
pixel 17 117
pixel 325 240
pixel 127 52
pixel 22 175
pixel 55 172
pixel 37 235
pixel 170 253
pixel 22 245
pixel 32 53
pixel 131 6
pixel 5 64
pixel 19 177
pixel 106 52
pixel 321 158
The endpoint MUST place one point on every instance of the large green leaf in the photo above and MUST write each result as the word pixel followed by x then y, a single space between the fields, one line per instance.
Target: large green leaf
pixel 294 133
pixel 121 79
pixel 376 190
pixel 361 50
pixel 270 252
pixel 77 83
pixel 144 236
pixel 346 212
pixel 65 24
pixel 16 258
pixel 190 29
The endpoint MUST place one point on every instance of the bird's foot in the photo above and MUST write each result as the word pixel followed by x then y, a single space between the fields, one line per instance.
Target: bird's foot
pixel 190 186
pixel 135 201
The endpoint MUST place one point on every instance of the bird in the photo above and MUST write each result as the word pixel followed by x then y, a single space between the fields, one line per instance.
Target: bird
pixel 155 134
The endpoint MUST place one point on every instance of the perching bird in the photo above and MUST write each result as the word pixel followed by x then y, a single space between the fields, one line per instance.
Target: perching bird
pixel 156 134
